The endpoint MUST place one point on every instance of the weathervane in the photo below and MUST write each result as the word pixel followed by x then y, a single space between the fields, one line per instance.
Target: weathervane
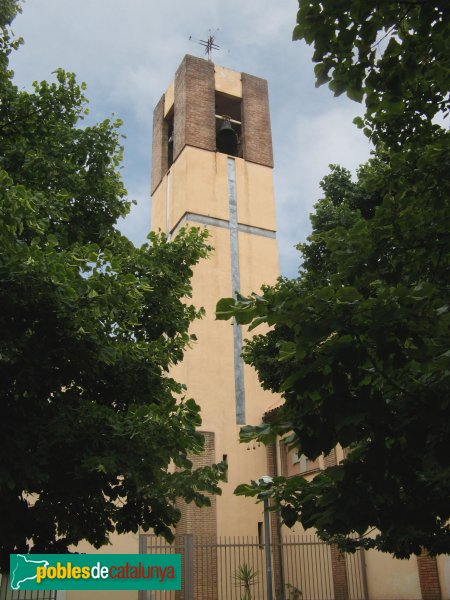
pixel 209 44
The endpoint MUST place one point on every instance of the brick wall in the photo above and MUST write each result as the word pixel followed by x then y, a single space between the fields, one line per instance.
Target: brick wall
pixel 195 520
pixel 194 105
pixel 202 524
pixel 159 145
pixel 257 138
pixel 339 570
pixel 428 577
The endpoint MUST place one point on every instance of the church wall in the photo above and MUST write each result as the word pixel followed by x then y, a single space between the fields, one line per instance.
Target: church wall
pixel 228 82
pixel 208 372
pixel 443 563
pixel 392 579
pixel 254 271
pixel 159 207
pixel 256 204
pixel 199 185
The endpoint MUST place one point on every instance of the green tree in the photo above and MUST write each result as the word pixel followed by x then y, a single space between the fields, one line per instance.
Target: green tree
pixel 90 419
pixel 394 55
pixel 358 345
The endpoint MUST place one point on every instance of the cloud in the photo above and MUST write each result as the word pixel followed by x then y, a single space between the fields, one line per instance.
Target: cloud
pixel 311 144
pixel 136 225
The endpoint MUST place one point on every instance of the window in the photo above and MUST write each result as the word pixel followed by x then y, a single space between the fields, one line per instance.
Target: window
pixel 304 464
pixel 225 460
pixel 169 125
pixel 260 534
pixel 293 463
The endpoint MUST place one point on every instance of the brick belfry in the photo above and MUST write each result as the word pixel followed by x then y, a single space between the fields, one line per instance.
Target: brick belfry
pixel 212 166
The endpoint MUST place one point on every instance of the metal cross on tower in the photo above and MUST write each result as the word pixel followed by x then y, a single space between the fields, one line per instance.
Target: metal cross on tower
pixel 209 44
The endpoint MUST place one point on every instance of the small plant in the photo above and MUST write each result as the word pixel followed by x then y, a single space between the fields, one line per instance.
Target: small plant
pixel 245 577
pixel 294 592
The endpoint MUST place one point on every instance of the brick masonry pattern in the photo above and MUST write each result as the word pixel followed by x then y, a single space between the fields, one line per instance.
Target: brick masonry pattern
pixel 428 577
pixel 256 121
pixel 159 145
pixel 194 115
pixel 202 523
pixel 339 570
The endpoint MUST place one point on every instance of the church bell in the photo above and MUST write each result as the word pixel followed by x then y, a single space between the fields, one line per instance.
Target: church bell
pixel 227 139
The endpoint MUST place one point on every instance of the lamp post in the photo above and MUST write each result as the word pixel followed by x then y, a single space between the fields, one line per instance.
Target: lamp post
pixel 267 479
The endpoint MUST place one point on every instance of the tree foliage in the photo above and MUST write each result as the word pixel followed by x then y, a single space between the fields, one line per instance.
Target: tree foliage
pixel 90 419
pixel 358 345
pixel 394 55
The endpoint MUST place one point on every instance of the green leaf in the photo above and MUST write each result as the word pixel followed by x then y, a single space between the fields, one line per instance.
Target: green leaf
pixel 289 516
pixel 355 93
pixel 348 295
pixel 245 490
pixel 297 34
pixel 225 309
pixel 287 351
pixel 257 321
pixel 359 122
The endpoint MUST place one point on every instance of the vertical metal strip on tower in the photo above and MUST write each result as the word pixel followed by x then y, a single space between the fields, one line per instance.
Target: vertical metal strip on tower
pixel 168 207
pixel 235 284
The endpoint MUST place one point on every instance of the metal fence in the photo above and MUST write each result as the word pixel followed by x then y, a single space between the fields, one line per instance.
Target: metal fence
pixel 301 569
pixel 307 568
pixel 357 576
pixel 6 593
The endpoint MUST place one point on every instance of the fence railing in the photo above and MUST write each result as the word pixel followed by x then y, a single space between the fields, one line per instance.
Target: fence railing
pixel 6 593
pixel 307 568
pixel 302 569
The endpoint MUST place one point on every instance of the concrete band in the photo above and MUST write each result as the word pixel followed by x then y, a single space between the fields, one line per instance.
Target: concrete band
pixel 213 222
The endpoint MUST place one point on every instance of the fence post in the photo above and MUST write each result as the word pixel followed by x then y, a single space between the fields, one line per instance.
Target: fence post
pixel 268 553
pixel 188 567
pixel 339 571
pixel 362 558
pixel 142 594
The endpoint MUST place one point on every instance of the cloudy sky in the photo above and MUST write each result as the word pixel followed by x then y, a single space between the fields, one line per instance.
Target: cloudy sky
pixel 127 52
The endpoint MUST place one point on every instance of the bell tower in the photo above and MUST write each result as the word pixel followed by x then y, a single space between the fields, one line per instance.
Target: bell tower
pixel 212 167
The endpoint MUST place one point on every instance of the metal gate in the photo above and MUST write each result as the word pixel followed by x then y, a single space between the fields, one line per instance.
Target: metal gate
pixel 303 568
